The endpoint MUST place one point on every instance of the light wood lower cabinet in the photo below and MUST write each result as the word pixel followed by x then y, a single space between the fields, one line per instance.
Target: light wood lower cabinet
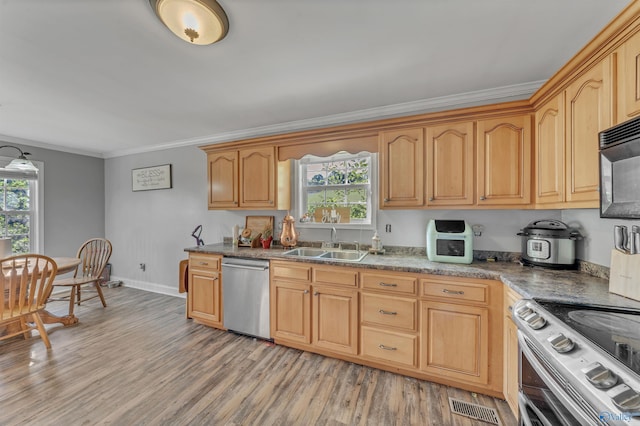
pixel 511 354
pixel 204 298
pixel 335 319
pixel 322 316
pixel 455 341
pixel 444 329
pixel 291 311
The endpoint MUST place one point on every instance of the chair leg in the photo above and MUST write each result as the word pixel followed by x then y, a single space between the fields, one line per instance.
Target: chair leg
pixel 42 330
pixel 79 295
pixel 26 330
pixel 99 290
pixel 72 299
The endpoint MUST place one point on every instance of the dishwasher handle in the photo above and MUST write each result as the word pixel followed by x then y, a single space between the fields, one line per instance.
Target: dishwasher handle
pixel 252 268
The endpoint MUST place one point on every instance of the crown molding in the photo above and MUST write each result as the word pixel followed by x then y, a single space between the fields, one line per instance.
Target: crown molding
pixel 479 97
pixel 35 144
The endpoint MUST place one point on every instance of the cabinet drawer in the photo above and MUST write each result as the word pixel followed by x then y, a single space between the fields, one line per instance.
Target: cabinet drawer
pixel 389 282
pixel 393 347
pixel 389 311
pixel 510 298
pixel 470 292
pixel 335 275
pixel 204 261
pixel 291 271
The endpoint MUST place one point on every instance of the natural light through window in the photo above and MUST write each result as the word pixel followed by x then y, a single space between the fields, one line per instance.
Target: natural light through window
pixel 336 190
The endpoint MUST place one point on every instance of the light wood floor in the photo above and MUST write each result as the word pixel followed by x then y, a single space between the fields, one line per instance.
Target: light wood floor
pixel 139 361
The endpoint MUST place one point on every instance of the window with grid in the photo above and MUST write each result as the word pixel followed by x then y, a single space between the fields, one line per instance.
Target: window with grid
pixel 18 205
pixel 337 190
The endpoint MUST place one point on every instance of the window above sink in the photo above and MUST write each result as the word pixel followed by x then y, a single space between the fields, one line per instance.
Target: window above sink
pixel 339 191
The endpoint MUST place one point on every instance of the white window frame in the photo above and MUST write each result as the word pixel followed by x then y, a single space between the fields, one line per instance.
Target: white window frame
pixel 299 198
pixel 36 206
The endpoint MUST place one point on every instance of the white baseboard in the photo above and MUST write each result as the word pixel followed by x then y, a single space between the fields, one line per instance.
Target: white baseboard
pixel 148 286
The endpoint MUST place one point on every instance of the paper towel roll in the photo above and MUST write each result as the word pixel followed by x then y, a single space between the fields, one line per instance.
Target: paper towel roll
pixel 5 247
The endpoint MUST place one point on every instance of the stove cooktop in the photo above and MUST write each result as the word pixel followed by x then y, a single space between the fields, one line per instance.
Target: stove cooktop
pixel 614 330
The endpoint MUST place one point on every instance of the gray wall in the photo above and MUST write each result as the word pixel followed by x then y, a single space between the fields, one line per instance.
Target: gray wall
pixel 73 199
pixel 154 227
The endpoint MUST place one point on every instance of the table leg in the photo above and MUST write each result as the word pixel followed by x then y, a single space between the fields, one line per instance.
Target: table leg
pixel 49 318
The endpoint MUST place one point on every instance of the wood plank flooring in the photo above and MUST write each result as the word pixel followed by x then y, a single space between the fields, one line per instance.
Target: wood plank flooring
pixel 139 361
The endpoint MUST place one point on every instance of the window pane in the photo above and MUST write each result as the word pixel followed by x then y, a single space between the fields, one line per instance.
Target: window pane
pixel 335 196
pixel 358 171
pixel 316 175
pixel 356 195
pixel 315 197
pixel 20 244
pixel 358 211
pixel 18 225
pixel 17 195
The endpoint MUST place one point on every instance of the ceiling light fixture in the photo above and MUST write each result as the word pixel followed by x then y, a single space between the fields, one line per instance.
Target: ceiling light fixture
pixel 20 163
pixel 195 21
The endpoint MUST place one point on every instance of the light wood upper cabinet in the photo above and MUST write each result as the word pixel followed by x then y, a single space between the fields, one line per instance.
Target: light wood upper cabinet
pixel 504 160
pixel 248 179
pixel 450 166
pixel 223 179
pixel 257 177
pixel 628 79
pixel 549 149
pixel 589 111
pixel 401 168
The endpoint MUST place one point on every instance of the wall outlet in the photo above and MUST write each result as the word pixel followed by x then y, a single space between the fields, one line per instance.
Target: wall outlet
pixel 143 266
pixel 387 227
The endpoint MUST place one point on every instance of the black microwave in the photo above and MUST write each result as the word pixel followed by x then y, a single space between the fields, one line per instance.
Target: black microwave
pixel 620 171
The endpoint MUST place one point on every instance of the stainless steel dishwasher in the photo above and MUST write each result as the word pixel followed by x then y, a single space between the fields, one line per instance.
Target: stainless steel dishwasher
pixel 245 295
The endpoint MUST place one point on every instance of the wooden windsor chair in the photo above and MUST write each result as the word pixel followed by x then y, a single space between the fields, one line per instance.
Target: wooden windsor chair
pixel 25 282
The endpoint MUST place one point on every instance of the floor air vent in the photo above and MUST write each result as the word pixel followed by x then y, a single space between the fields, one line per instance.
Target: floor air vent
pixel 475 411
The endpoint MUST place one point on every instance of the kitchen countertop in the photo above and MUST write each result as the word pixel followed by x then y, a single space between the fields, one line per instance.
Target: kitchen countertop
pixel 530 282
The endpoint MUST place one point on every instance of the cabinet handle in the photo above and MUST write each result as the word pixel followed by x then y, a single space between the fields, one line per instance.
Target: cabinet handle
pixel 315 293
pixel 203 263
pixel 387 348
pixel 383 312
pixel 430 198
pixel 386 200
pixel 306 292
pixel 270 201
pixel 381 284
pixel 452 291
pixel 482 198
pixel 215 278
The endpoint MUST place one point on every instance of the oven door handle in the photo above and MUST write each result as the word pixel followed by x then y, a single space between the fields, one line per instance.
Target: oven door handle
pixel 558 392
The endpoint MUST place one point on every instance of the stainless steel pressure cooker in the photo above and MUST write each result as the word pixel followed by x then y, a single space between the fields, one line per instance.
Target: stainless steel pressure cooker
pixel 549 243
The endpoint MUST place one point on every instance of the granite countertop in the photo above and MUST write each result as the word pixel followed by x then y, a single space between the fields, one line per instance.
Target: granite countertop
pixel 530 282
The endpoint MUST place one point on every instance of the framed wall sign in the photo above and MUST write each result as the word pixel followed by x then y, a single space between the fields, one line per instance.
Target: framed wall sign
pixel 154 177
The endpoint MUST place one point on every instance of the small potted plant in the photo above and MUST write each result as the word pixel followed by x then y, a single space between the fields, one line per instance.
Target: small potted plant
pixel 266 238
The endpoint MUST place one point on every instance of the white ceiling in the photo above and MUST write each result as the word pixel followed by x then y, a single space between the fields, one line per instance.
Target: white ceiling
pixel 106 78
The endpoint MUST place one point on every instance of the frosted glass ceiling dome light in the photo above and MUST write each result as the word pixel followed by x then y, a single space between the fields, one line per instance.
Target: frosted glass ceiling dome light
pixel 195 21
pixel 20 163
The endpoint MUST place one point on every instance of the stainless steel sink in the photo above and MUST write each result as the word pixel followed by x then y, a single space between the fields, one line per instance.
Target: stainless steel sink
pixel 345 255
pixel 318 253
pixel 305 252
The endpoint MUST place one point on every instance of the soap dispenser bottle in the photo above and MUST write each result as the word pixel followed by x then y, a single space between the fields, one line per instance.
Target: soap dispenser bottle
pixel 376 244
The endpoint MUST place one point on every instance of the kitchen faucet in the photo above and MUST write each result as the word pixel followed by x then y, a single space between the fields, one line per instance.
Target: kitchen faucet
pixel 334 235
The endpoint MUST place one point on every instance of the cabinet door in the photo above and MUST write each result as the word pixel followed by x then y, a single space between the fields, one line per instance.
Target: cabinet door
pixel 549 158
pixel 223 179
pixel 205 301
pixel 510 385
pixel 335 319
pixel 290 311
pixel 401 167
pixel 455 341
pixel 628 79
pixel 450 169
pixel 504 161
pixel 588 106
pixel 257 178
